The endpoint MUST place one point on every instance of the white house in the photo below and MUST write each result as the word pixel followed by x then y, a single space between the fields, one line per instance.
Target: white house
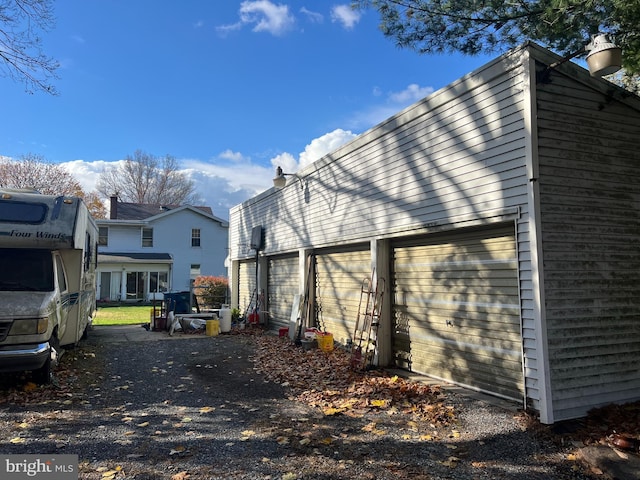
pixel 144 249
pixel 503 212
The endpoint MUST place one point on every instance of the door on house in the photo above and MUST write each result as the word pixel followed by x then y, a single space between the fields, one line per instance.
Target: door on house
pixel 136 285
pixel 105 286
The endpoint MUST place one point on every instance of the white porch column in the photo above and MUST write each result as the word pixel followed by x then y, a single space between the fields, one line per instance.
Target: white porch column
pixel 123 285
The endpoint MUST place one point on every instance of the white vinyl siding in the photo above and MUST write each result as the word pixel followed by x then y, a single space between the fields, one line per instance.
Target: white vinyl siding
pixel 589 197
pixel 452 158
pixel 457 159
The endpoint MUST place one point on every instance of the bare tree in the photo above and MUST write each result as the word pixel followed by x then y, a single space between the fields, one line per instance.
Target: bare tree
pixel 145 178
pixel 33 171
pixel 21 55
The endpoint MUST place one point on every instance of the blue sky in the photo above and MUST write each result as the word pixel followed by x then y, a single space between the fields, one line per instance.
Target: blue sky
pixel 231 89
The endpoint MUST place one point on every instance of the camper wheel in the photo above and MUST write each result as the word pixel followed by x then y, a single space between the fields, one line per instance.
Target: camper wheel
pixel 42 376
pixel 85 332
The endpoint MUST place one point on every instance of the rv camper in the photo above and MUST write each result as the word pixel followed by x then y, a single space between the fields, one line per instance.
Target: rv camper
pixel 48 257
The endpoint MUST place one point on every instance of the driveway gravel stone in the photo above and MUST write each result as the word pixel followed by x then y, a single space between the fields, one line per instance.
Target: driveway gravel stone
pixel 142 405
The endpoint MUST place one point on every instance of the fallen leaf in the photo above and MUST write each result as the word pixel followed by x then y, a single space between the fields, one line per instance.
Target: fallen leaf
pixel 180 476
pixel 207 409
pixel 177 449
pixel 18 440
pixel 143 424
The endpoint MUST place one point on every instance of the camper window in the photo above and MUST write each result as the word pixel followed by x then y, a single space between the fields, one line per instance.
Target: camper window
pixel 62 280
pixel 25 269
pixel 22 212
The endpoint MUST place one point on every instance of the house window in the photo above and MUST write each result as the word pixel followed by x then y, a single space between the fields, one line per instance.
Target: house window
pixel 195 270
pixel 195 237
pixel 103 236
pixel 147 237
pixel 158 282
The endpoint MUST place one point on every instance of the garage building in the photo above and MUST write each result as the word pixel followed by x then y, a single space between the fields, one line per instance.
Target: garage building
pixel 503 213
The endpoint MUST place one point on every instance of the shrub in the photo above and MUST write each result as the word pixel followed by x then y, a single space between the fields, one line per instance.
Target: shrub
pixel 210 291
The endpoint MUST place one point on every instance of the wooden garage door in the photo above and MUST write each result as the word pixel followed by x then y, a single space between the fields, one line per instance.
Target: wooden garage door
pixel 246 286
pixel 339 277
pixel 283 285
pixel 456 310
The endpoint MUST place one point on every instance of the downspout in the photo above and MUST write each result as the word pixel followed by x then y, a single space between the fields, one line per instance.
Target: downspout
pixel 535 229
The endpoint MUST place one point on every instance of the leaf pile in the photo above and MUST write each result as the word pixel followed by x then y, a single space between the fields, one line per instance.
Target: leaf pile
pixel 77 367
pixel 605 424
pixel 325 380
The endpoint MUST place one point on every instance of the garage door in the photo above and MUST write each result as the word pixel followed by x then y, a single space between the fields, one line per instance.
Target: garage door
pixel 339 277
pixel 283 286
pixel 247 286
pixel 456 309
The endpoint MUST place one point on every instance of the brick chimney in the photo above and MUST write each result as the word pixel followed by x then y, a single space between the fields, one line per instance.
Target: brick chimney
pixel 113 211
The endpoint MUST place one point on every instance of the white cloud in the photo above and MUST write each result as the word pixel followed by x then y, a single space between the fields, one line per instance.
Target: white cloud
pixel 233 156
pixel 229 178
pixel 226 29
pixel 285 160
pixel 411 94
pixel 345 15
pixel 313 17
pixel 394 102
pixel 264 15
pixel 315 150
pixel 87 173
pixel 327 143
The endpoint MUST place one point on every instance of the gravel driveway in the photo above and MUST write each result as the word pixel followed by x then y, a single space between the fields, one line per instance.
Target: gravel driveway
pixel 194 407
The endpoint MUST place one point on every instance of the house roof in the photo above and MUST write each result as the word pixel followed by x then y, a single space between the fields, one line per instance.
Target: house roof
pixel 128 257
pixel 141 211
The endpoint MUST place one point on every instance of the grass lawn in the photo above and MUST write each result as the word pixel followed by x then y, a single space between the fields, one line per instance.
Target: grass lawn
pixel 122 315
